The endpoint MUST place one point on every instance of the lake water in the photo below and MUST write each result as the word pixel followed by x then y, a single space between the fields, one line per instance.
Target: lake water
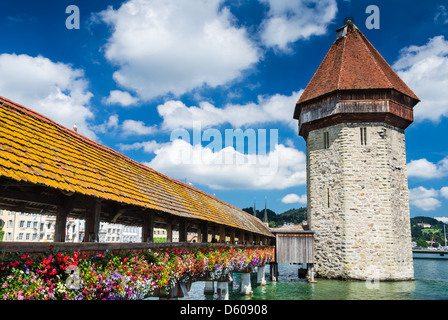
pixel 431 283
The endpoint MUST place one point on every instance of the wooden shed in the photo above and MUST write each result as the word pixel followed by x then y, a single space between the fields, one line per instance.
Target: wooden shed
pixel 293 244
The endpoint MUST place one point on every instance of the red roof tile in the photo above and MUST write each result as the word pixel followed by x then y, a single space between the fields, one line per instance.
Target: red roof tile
pixel 353 63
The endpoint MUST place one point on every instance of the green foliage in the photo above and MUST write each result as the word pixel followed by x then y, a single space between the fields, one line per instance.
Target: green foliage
pixel 295 216
pixel 2 233
pixel 421 235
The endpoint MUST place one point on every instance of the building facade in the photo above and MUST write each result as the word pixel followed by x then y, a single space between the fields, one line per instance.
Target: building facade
pixel 26 227
pixel 352 115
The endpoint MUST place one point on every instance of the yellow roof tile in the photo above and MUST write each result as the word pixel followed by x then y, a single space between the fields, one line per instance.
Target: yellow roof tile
pixel 35 149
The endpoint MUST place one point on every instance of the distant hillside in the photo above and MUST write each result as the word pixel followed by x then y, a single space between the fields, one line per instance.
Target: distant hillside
pixel 421 234
pixel 295 216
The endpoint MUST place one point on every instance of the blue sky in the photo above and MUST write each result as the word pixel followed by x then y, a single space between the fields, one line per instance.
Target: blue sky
pixel 137 73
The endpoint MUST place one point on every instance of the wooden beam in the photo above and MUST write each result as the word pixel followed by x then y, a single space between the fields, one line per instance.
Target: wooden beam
pixel 92 217
pixel 30 197
pixel 183 230
pixel 232 236
pixel 241 237
pixel 148 227
pixel 204 232
pixel 169 232
pixel 61 219
pixel 222 234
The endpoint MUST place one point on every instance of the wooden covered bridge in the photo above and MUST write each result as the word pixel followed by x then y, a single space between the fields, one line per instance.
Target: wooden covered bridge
pixel 46 168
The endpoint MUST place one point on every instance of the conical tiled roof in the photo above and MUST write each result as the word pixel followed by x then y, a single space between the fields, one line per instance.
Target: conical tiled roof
pixel 353 63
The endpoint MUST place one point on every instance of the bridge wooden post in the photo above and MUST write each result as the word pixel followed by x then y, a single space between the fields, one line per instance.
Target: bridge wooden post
pixel 169 231
pixel 251 237
pixel 148 227
pixel 204 232
pixel 222 234
pixel 182 230
pixel 232 235
pixel 61 220
pixel 92 225
pixel 241 236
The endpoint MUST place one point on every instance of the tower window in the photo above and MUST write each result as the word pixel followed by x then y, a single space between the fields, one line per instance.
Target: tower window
pixel 363 136
pixel 326 140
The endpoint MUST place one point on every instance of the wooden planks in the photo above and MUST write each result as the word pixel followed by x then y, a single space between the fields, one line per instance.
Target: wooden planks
pixel 294 248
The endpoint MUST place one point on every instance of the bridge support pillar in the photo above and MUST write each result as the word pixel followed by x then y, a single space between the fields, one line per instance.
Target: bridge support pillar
pixel 222 290
pixel 246 288
pixel 209 287
pixel 273 271
pixel 310 273
pixel 261 280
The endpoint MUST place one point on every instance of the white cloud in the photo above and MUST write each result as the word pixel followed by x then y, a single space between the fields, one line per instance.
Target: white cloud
pixel 424 199
pixel 110 124
pixel 423 168
pixel 228 169
pixel 444 192
pixel 443 219
pixel 291 20
pixel 174 46
pixel 54 89
pixel 425 70
pixel 122 98
pixel 278 107
pixel 294 198
pixel 147 146
pixel 126 128
pixel 133 127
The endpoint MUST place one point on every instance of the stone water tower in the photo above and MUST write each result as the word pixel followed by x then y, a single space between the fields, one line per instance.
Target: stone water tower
pixel 352 115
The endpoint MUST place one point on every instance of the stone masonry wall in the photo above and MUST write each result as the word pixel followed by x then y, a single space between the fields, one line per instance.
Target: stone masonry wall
pixel 358 202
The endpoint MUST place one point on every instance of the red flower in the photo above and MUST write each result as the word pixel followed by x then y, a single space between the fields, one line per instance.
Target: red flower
pixel 15 264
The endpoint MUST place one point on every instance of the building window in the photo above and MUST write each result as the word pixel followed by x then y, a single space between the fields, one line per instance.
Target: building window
pixel 326 140
pixel 22 224
pixel 363 136
pixel 28 224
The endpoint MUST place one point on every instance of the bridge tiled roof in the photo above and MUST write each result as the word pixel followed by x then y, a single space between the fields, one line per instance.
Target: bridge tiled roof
pixel 37 150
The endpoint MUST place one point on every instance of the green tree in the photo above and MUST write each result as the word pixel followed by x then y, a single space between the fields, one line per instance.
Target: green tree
pixel 422 243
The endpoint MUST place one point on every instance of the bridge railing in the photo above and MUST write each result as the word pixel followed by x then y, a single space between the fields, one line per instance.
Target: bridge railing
pixel 93 247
